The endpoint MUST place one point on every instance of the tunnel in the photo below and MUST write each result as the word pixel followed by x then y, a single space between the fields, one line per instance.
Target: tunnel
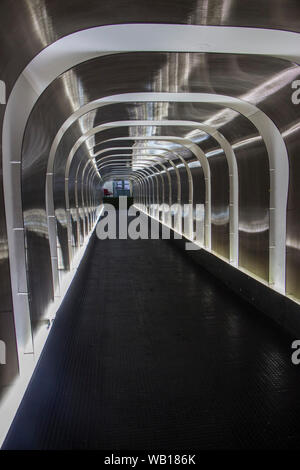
pixel 150 229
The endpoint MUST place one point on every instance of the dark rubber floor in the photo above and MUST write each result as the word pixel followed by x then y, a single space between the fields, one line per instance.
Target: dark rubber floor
pixel 151 352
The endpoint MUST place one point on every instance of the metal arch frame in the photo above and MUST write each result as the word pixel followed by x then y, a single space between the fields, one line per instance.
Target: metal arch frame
pixel 166 170
pixel 94 198
pixel 142 169
pixel 242 108
pixel 12 147
pixel 150 158
pixel 84 189
pixel 233 177
pixel 160 173
pixel 166 216
pixel 90 197
pixel 76 197
pixel 76 202
pixel 112 158
pixel 53 231
pixel 199 155
pixel 274 235
pixel 261 121
pixel 204 163
pixel 86 196
pixel 233 182
pixel 140 149
pixel 190 146
pixel 149 155
pixel 113 161
pixel 85 179
pixel 150 175
pixel 190 180
pixel 174 166
pixel 189 234
pixel 161 149
pixel 195 148
pixel 278 161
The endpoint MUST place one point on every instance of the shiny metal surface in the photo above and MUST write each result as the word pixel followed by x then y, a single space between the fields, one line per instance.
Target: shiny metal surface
pixel 28 27
pixel 62 228
pixel 141 110
pixel 48 20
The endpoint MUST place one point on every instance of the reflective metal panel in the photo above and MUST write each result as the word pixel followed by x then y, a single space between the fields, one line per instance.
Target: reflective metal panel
pixel 293 219
pixel 253 210
pixel 219 205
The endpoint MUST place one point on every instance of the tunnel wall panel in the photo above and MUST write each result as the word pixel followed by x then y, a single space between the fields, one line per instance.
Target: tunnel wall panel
pixel 254 184
pixel 219 205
